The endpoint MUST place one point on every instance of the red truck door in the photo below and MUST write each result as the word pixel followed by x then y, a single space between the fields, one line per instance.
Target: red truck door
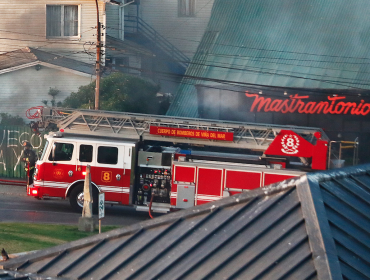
pixel 111 172
pixel 59 168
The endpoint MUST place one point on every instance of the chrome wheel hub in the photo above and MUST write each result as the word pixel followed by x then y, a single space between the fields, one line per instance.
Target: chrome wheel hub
pixel 80 199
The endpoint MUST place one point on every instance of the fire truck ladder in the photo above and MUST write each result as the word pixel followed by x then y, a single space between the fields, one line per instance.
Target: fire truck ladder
pixel 136 126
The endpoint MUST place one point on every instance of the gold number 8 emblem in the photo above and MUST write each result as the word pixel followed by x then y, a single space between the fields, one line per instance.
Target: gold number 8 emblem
pixel 106 176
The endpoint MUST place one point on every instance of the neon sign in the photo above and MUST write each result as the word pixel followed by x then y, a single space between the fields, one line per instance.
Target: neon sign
pixel 298 104
pixel 192 133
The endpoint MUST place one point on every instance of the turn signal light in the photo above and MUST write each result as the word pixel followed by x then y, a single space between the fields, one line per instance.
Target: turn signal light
pixel 84 173
pixel 34 192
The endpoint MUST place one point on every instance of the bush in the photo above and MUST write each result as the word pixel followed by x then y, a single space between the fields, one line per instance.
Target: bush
pixel 7 119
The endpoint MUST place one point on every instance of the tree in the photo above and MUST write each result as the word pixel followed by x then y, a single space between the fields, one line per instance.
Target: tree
pixel 118 92
pixel 53 92
pixel 7 119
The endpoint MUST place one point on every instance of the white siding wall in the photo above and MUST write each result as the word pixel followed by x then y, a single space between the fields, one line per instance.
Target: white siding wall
pixel 184 32
pixel 26 88
pixel 134 62
pixel 23 24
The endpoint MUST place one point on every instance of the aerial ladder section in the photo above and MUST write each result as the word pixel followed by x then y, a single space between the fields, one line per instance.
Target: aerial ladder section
pixel 135 126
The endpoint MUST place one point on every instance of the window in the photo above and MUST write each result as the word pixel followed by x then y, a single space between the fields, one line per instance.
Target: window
pixel 118 64
pixel 107 155
pixel 86 152
pixel 61 20
pixel 186 8
pixel 61 151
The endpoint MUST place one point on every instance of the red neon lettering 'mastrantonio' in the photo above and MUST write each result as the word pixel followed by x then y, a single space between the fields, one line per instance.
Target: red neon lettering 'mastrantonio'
pixel 257 100
pixel 275 105
pixel 363 112
pixel 333 99
pixel 296 104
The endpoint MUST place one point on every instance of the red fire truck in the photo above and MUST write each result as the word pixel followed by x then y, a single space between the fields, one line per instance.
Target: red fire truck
pixel 166 163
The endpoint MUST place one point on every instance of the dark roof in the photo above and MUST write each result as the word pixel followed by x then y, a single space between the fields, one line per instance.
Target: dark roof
pixel 313 227
pixel 294 44
pixel 30 55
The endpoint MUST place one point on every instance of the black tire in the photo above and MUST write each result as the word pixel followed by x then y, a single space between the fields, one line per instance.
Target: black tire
pixel 77 203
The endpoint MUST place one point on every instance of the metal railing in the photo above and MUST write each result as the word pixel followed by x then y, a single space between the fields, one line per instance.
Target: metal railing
pixel 134 24
pixel 342 152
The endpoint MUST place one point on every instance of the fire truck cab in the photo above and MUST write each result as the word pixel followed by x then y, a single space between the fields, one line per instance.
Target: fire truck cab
pixel 61 169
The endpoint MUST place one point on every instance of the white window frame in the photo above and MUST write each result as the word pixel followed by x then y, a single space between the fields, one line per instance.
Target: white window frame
pixel 188 13
pixel 62 23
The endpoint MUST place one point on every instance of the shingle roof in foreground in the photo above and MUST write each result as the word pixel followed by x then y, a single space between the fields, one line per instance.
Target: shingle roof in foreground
pixel 313 227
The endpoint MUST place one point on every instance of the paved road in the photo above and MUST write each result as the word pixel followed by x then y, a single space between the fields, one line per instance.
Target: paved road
pixel 16 206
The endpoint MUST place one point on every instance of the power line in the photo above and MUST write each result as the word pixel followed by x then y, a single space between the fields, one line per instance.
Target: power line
pixel 188 78
pixel 262 72
pixel 262 49
pixel 256 71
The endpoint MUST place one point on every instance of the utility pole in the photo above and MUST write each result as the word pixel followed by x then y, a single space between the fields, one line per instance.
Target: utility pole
pixel 98 57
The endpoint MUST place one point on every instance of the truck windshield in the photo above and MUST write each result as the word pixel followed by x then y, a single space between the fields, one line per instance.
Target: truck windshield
pixel 44 150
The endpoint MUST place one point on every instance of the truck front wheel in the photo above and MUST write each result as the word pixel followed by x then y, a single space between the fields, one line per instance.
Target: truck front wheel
pixel 76 199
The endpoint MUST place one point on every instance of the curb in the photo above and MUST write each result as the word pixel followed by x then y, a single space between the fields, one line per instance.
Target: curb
pixel 13 182
pixel 12 194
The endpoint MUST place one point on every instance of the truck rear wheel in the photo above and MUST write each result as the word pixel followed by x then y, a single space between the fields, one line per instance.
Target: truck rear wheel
pixel 76 198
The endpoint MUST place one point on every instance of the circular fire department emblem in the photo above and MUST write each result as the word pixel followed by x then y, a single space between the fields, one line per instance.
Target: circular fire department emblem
pixel 290 144
pixel 58 173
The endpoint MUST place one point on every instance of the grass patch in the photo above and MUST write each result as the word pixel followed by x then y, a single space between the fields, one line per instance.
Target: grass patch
pixel 23 237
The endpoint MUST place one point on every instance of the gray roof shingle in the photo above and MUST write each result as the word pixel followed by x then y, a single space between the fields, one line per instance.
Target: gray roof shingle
pixel 313 227
pixel 31 55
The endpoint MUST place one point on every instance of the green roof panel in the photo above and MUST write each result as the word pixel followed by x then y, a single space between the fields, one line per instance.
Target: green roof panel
pixel 289 43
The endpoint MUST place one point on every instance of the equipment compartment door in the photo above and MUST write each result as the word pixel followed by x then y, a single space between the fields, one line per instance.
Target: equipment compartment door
pixel 270 178
pixel 184 174
pixel 209 185
pixel 185 195
pixel 238 180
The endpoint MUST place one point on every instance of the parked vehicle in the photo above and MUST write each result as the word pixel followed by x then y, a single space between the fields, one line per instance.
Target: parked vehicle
pixel 164 163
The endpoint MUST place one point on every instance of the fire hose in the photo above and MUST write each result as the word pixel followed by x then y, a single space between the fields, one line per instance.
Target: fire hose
pixel 150 206
pixel 28 174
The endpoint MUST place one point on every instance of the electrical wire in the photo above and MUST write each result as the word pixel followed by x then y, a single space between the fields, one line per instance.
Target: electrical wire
pixel 253 69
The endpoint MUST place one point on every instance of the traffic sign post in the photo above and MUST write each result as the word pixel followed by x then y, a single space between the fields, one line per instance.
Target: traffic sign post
pixel 101 209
